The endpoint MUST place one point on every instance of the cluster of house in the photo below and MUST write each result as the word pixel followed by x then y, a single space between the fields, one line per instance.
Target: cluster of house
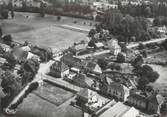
pixel 128 105
pixel 149 102
pixel 96 107
pixel 89 100
pixel 96 43
pixel 68 65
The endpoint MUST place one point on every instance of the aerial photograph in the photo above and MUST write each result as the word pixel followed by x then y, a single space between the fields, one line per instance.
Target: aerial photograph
pixel 83 58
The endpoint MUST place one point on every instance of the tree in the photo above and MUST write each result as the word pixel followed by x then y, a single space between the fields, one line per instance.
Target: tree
pixel 144 53
pixel 138 61
pixel 121 58
pixel 163 109
pixel 4 14
pixel 92 32
pixel 142 83
pixel 164 44
pixel 102 63
pixel 148 73
pixel 11 87
pixel 24 5
pixel 42 9
pixel 58 18
pixel 147 11
pixel 10 7
pixel 1 32
pixel 123 47
pixel 157 21
pixel 144 36
pixel 153 76
pixel 141 46
pixel 91 43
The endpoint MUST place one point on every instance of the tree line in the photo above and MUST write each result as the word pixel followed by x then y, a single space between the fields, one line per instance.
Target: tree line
pixel 126 28
pixel 145 10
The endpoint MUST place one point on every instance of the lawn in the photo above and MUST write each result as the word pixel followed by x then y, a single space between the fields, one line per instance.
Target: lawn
pixel 43 31
pixel 53 94
pixel 40 104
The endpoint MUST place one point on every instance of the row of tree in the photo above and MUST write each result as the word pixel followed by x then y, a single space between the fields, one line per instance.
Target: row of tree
pixel 125 28
pixel 144 10
pixel 160 21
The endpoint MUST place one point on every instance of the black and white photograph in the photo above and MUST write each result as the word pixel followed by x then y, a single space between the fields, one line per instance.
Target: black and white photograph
pixel 83 58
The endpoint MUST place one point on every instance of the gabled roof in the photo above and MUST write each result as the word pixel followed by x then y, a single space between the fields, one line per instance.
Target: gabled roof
pixel 59 66
pixel 138 97
pixel 86 93
pixel 99 44
pixel 116 111
pixel 118 86
pixel 159 99
pixel 93 67
pixel 132 112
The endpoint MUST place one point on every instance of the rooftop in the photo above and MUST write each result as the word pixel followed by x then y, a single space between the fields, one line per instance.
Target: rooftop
pixel 116 111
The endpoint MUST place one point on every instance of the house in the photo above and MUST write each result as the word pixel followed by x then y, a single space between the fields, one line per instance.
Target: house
pixel 120 110
pixel 72 61
pixel 99 45
pixel 76 49
pixel 132 112
pixel 154 103
pixel 59 69
pixel 93 68
pixel 114 47
pixel 138 100
pixel 118 91
pixel 115 111
pixel 84 95
pixel 5 47
pixel 161 30
pixel 103 6
pixel 151 103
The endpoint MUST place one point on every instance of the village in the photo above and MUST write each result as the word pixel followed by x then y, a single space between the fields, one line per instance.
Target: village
pixel 97 76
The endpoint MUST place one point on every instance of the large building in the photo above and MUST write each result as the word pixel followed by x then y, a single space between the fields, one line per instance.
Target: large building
pixel 114 46
pixel 59 69
pixel 116 90
pixel 120 110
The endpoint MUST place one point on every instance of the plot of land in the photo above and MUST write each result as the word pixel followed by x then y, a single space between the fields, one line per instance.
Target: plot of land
pixel 48 101
pixel 53 94
pixel 43 31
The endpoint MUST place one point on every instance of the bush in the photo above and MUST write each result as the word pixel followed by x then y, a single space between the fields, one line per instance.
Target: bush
pixel 120 58
pixel 4 14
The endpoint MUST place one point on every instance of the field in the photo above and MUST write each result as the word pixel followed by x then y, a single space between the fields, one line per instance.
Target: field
pixel 48 101
pixel 44 31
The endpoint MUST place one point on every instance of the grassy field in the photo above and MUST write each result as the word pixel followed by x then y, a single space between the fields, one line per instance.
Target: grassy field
pixel 43 31
pixel 48 101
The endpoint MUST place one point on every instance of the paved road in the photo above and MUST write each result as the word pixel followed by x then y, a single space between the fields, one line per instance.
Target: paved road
pixel 93 54
pixel 60 82
pixel 128 46
pixel 147 42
